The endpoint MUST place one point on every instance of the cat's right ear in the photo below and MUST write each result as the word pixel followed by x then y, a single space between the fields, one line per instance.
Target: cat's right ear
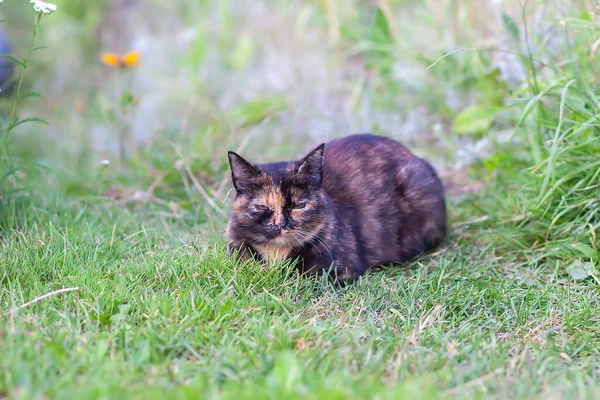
pixel 241 171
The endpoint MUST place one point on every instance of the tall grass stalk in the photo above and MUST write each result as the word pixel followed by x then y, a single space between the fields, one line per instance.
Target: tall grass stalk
pixel 13 120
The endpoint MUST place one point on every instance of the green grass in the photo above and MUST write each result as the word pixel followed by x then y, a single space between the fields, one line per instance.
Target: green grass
pixel 153 307
pixel 154 318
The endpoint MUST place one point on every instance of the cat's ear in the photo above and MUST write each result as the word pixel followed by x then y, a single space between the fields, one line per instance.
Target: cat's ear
pixel 241 171
pixel 312 166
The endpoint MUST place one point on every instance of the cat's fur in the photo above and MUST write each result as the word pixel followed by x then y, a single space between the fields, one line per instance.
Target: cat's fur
pixel 354 203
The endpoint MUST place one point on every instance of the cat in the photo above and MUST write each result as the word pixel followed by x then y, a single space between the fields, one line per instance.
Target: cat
pixel 353 203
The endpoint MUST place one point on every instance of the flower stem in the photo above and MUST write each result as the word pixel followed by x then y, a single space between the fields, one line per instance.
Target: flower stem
pixel 13 118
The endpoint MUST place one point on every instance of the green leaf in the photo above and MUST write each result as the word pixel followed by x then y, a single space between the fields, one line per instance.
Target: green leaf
pixel 585 15
pixel 586 250
pixel 379 55
pixel 580 271
pixel 474 119
pixel 39 48
pixel 126 98
pixel 197 51
pixel 255 111
pixel 510 25
pixel 13 59
pixel 30 94
pixel 491 89
pixel 243 51
pixel 25 120
pixel 380 29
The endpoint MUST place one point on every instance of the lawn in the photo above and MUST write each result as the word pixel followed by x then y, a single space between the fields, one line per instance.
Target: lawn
pixel 115 280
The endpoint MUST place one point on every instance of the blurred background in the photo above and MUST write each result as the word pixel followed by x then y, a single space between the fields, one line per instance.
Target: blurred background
pixel 271 79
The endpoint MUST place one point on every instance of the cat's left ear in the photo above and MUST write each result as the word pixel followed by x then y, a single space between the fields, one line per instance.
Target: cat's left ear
pixel 312 166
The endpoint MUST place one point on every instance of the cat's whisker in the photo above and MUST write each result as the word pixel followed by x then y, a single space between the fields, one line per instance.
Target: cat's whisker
pixel 302 241
pixel 300 236
pixel 296 238
pixel 324 244
pixel 311 237
pixel 309 240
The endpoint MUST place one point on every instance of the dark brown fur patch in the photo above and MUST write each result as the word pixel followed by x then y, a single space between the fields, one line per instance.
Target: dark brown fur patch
pixel 354 203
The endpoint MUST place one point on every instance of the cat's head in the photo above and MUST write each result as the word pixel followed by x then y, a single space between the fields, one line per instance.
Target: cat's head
pixel 280 204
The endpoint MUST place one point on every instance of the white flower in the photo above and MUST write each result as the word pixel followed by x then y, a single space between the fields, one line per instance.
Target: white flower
pixel 104 162
pixel 43 7
pixel 140 195
pixel 179 164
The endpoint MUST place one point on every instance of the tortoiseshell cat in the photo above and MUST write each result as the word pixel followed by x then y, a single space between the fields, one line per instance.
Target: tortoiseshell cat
pixel 354 203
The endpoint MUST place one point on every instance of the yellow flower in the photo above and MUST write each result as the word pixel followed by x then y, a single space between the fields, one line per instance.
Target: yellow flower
pixel 110 59
pixel 130 59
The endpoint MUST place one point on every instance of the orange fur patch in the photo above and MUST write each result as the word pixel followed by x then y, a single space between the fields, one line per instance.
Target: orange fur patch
pixel 274 199
pixel 238 206
pixel 274 252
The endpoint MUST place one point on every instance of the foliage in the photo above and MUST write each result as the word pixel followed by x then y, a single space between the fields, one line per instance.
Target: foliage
pixel 40 10
pixel 154 305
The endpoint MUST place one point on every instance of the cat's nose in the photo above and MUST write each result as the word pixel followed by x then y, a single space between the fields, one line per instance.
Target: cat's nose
pixel 280 221
pixel 282 227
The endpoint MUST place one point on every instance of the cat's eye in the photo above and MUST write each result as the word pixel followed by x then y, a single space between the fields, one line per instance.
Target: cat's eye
pixel 298 206
pixel 261 207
